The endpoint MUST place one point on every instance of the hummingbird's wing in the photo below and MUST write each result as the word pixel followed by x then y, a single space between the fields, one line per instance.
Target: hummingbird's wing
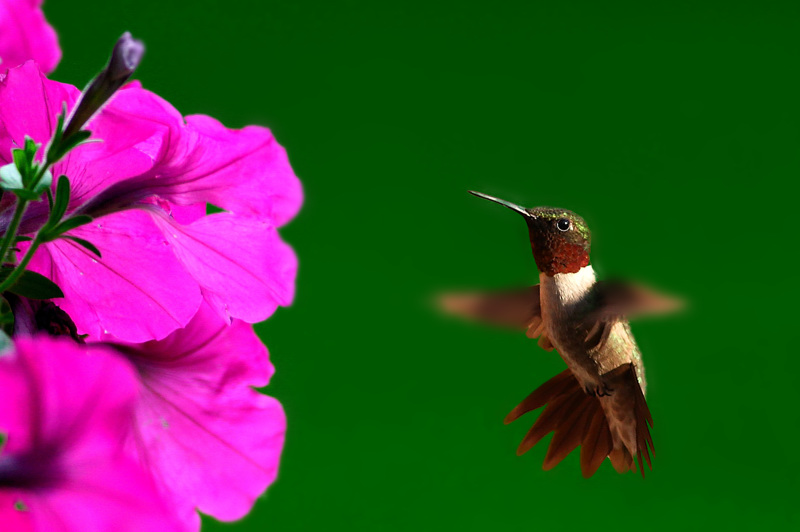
pixel 620 298
pixel 615 300
pixel 518 309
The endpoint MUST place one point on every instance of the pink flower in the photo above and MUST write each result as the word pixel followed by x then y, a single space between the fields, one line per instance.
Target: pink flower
pixel 25 34
pixel 211 441
pixel 65 411
pixel 151 167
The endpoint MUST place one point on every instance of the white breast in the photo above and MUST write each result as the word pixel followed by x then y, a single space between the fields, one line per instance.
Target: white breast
pixel 563 290
pixel 561 296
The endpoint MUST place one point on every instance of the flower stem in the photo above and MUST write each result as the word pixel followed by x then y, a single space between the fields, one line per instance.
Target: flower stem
pixel 40 173
pixel 11 232
pixel 20 269
pixel 22 204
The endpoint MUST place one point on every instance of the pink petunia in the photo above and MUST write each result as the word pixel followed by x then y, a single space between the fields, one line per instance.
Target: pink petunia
pixel 65 412
pixel 156 267
pixel 211 441
pixel 25 34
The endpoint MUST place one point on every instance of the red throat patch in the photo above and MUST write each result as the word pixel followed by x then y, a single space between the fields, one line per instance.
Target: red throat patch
pixel 558 256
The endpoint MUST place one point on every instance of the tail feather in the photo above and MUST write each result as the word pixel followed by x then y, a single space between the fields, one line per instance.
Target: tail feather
pixel 554 414
pixel 631 415
pixel 576 419
pixel 544 393
pixel 643 438
pixel 622 460
pixel 597 443
pixel 570 433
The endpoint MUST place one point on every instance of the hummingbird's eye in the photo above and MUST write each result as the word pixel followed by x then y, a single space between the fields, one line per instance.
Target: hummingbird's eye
pixel 563 224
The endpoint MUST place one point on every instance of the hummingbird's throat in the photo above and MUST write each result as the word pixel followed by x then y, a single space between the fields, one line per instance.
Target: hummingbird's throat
pixel 557 256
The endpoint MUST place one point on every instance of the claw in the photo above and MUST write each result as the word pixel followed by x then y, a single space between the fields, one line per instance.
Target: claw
pixel 604 390
pixel 601 390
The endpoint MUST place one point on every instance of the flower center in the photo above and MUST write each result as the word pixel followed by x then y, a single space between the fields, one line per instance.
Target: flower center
pixel 28 471
pixel 32 316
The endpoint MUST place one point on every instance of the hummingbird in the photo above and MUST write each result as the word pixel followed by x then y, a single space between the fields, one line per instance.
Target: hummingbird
pixel 598 402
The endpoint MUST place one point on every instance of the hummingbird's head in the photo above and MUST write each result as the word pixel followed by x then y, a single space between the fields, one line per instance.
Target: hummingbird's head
pixel 560 238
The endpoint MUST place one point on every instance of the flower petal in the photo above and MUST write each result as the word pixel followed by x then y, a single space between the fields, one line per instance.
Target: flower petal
pixel 138 290
pixel 29 104
pixel 148 150
pixel 135 129
pixel 210 439
pixel 107 493
pixel 65 468
pixel 18 519
pixel 247 168
pixel 25 34
pixel 243 267
pixel 132 134
pixel 243 171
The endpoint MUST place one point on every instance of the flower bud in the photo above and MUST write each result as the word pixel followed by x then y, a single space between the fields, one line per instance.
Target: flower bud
pixel 124 60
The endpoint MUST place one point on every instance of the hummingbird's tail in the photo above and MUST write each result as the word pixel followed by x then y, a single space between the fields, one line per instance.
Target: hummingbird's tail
pixel 579 419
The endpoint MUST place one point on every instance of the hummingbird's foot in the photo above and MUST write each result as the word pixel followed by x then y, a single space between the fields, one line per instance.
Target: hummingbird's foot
pixel 598 389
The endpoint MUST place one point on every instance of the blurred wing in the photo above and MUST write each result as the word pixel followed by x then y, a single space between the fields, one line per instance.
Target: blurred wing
pixel 616 300
pixel 517 309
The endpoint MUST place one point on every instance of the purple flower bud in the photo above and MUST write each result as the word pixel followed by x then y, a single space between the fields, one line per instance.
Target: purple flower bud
pixel 125 57
pixel 124 60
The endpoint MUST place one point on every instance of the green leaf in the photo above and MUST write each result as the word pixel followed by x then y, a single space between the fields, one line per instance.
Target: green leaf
pixel 62 200
pixel 14 179
pixel 79 137
pixel 65 145
pixel 57 134
pixel 22 238
pixel 5 347
pixel 21 161
pixel 85 243
pixel 67 225
pixel 25 194
pixel 24 159
pixel 59 145
pixel 31 147
pixel 6 319
pixel 35 286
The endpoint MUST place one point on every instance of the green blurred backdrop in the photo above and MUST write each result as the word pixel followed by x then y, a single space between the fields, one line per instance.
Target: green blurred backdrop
pixel 673 129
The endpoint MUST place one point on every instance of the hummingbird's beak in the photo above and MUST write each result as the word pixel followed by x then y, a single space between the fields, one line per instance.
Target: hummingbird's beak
pixel 513 206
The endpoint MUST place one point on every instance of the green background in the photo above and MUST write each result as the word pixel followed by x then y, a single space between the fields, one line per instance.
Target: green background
pixel 674 129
